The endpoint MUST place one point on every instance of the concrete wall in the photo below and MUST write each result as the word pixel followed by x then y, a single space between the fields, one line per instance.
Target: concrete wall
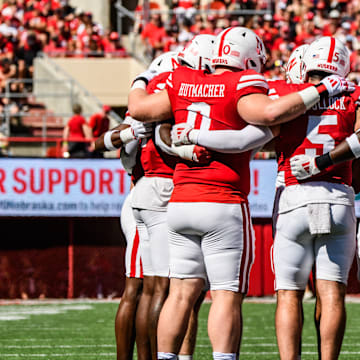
pixel 59 92
pixel 107 79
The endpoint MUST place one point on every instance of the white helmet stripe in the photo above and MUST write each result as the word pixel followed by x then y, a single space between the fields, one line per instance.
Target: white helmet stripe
pixel 252 77
pixel 331 51
pixel 222 40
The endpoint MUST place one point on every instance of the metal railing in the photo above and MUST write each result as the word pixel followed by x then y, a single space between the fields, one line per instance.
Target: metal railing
pixel 87 54
pixel 66 88
pixel 8 95
pixel 145 13
pixel 27 130
pixel 81 90
pixel 6 142
pixel 123 12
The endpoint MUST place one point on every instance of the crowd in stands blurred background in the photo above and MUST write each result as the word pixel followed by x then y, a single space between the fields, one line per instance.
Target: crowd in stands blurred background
pixel 54 27
pixel 59 29
pixel 28 27
pixel 288 24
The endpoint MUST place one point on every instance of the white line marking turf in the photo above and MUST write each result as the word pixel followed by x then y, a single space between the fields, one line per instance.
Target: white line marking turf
pixel 12 313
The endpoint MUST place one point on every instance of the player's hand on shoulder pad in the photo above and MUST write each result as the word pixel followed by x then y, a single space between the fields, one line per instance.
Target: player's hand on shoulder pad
pixel 146 76
pixel 201 155
pixel 303 166
pixel 180 134
pixel 141 130
pixel 335 85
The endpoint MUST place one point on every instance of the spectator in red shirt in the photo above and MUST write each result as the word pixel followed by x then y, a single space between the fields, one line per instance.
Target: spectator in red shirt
pixel 99 122
pixel 76 129
pixel 112 45
pixel 171 42
pixel 355 59
pixel 153 34
pixel 210 26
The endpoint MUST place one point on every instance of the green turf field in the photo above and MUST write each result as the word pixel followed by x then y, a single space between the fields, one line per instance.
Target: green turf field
pixel 85 330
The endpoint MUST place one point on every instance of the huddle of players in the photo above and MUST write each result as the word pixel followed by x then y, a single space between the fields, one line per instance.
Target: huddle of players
pixel 197 226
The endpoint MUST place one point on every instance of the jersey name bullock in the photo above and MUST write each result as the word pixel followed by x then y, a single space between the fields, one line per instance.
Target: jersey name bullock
pixel 333 103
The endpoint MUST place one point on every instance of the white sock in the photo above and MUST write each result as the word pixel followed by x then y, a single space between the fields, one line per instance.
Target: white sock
pixel 222 356
pixel 185 357
pixel 166 356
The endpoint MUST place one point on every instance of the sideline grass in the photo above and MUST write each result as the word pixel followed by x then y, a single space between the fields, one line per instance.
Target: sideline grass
pixel 85 330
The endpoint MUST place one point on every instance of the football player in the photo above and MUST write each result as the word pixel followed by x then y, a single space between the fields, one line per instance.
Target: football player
pixel 153 191
pixel 325 207
pixel 150 210
pixel 210 226
pixel 315 236
pixel 126 136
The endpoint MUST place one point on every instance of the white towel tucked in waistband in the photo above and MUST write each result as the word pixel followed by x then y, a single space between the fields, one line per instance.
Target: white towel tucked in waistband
pixel 319 218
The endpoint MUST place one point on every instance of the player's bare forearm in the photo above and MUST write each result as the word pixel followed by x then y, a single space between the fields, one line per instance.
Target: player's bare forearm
pixel 285 108
pixel 259 109
pixel 149 107
pixel 342 152
pixel 115 139
pixel 165 133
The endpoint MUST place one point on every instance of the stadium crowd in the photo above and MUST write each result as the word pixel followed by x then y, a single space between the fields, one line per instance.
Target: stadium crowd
pixel 54 27
pixel 290 24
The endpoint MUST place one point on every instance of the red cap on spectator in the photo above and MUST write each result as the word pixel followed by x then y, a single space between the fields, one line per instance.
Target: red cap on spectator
pixel 114 35
pixel 285 28
pixel 95 37
pixel 106 108
pixel 309 15
pixel 277 17
pixel 320 5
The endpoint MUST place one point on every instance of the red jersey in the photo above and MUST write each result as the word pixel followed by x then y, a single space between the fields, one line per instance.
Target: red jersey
pixel 356 96
pixel 75 124
pixel 316 132
pixel 153 160
pixel 99 124
pixel 210 101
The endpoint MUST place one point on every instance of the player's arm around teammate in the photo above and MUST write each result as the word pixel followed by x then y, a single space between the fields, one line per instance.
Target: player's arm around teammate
pixel 257 109
pixel 324 239
pixel 122 134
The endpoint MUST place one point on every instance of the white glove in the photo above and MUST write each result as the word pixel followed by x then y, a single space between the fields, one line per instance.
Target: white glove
pixel 141 130
pixel 146 76
pixel 335 85
pixel 303 166
pixel 180 134
pixel 194 153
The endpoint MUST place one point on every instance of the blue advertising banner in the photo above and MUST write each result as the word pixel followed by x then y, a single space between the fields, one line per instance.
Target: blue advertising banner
pixel 97 187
